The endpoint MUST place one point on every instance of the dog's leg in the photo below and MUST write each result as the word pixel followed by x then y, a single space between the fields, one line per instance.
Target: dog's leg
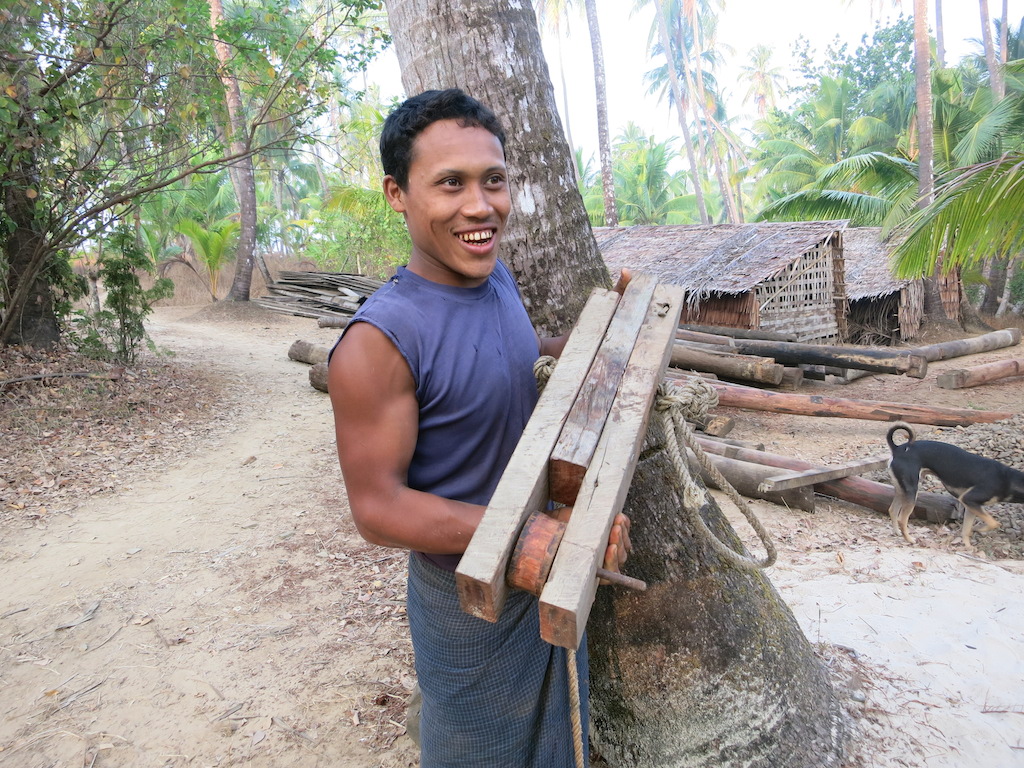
pixel 968 527
pixel 905 485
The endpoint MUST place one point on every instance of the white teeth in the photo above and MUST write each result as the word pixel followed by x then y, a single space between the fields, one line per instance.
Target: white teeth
pixel 477 237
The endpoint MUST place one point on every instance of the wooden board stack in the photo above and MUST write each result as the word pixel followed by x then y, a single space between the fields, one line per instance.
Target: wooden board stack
pixel 580 447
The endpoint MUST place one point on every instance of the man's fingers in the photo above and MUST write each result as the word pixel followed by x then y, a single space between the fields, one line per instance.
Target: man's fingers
pixel 624 277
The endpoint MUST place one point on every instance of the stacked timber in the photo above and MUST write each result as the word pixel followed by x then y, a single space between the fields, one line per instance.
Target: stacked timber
pixel 318 294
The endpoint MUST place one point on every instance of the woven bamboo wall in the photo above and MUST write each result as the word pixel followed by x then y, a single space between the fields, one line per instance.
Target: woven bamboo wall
pixel 801 299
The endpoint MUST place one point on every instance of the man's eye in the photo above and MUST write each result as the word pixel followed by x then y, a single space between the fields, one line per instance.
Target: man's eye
pixel 450 182
pixel 496 180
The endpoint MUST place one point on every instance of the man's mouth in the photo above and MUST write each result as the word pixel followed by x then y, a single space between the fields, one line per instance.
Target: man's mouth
pixel 477 238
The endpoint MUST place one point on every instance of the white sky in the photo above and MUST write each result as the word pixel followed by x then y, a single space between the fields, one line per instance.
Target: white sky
pixel 742 25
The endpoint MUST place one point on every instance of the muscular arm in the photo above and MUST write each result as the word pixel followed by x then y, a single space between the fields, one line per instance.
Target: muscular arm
pixel 376 418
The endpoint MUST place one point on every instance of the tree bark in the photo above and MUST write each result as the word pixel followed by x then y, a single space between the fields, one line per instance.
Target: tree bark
pixel 241 171
pixel 714 656
pixel 994 286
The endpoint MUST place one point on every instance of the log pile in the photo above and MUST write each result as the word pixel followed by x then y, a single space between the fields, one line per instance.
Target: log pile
pixel 749 373
pixel 318 294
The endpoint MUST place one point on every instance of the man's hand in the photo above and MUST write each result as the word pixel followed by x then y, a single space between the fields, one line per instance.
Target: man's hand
pixel 619 545
pixel 624 277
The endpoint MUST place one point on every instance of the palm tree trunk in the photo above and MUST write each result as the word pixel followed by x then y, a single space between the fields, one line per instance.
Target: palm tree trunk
pixel 677 97
pixel 241 171
pixel 682 666
pixel 940 37
pixel 611 215
pixel 994 286
pixel 995 75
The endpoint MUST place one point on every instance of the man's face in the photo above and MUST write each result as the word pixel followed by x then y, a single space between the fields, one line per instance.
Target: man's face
pixel 455 203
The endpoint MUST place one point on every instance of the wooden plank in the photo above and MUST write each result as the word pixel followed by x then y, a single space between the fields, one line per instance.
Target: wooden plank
pixel 822 475
pixel 523 488
pixel 582 431
pixel 568 595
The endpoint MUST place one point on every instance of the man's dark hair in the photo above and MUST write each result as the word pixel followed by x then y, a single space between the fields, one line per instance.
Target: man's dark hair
pixel 414 115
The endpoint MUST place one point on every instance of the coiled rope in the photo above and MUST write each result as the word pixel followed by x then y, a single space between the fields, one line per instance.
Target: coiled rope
pixel 673 406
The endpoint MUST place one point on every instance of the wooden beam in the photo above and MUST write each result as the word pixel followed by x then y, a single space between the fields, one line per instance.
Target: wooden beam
pixel 523 488
pixel 568 595
pixel 1008 337
pixel 981 374
pixel 865 358
pixel 583 426
pixel 821 475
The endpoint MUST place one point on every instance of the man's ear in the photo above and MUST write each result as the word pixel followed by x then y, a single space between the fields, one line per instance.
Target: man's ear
pixel 394 194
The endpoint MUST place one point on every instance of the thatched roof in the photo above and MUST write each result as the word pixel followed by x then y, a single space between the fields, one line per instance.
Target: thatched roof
pixel 868 270
pixel 724 258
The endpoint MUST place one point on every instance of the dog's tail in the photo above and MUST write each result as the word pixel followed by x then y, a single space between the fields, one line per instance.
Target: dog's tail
pixel 899 427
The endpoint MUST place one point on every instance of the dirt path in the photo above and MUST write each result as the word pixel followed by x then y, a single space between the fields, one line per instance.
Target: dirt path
pixel 217 608
pixel 220 610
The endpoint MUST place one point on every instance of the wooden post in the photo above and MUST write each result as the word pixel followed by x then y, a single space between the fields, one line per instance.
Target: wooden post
pixel 523 488
pixel 569 593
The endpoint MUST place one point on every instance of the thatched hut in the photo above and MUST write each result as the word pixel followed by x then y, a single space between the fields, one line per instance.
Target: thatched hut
pixel 883 309
pixel 778 276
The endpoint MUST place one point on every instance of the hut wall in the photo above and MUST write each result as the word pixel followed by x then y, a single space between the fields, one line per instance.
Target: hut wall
pixel 731 310
pixel 911 311
pixel 801 299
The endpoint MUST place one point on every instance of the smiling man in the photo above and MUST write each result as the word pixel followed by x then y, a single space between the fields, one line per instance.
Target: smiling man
pixel 432 384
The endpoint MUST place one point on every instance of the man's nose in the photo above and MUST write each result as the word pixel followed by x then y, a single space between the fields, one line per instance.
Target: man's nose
pixel 477 203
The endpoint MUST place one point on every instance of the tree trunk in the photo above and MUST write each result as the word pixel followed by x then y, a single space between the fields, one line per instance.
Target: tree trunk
pixel 995 78
pixel 604 141
pixel 684 124
pixel 994 286
pixel 474 45
pixel 28 312
pixel 1007 337
pixel 715 653
pixel 981 374
pixel 241 171
pixel 940 37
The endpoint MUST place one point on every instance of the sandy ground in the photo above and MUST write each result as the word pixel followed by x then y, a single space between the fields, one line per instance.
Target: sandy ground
pixel 218 609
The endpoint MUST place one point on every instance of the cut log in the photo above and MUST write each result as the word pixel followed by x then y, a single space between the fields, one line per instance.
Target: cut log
pixel 934 507
pixel 743 367
pixel 318 376
pixel 814 476
pixel 945 350
pixel 981 374
pixel 582 430
pixel 308 352
pixel 332 321
pixel 739 333
pixel 734 442
pixel 683 334
pixel 738 396
pixel 863 358
pixel 747 479
pixel 792 379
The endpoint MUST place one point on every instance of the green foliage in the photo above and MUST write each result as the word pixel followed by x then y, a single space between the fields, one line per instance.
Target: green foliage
pixel 357 231
pixel 103 104
pixel 213 247
pixel 646 191
pixel 116 331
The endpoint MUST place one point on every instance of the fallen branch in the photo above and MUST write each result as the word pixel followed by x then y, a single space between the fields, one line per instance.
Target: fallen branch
pixel 112 375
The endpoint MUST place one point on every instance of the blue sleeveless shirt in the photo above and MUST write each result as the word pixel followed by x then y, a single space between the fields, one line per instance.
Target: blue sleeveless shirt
pixel 471 353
